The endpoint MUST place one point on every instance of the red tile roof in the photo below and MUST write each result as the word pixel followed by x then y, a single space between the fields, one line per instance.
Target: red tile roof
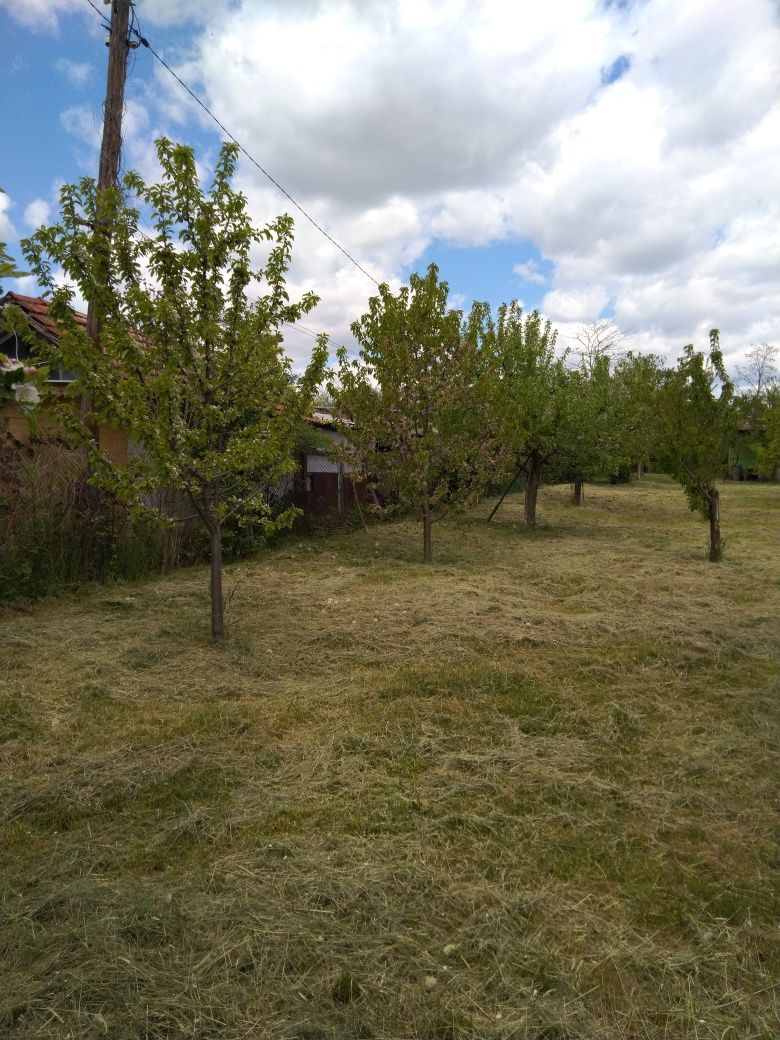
pixel 37 310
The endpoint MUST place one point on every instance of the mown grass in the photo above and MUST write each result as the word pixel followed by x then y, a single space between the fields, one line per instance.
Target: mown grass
pixel 529 792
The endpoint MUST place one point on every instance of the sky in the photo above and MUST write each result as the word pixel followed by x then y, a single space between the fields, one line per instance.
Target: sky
pixel 615 158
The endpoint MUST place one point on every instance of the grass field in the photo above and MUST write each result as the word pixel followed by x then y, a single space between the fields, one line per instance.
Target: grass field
pixel 529 792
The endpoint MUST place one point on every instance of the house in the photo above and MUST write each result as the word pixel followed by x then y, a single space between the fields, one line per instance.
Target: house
pixel 323 485
pixel 327 485
pixel 36 311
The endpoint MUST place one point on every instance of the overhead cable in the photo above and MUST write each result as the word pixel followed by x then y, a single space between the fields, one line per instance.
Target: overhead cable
pixel 145 43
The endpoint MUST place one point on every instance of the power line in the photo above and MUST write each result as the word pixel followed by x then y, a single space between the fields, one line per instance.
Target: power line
pixel 135 31
pixel 314 335
pixel 96 10
pixel 144 42
pixel 301 328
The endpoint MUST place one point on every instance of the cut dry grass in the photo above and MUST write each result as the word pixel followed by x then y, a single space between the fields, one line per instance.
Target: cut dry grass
pixel 529 792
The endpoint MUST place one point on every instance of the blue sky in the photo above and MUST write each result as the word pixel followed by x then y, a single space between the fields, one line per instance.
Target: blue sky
pixel 488 272
pixel 588 159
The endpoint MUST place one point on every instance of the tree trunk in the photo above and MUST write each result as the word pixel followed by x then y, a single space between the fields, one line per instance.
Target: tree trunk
pixel 532 489
pixel 579 498
pixel 640 471
pixel 217 604
pixel 427 557
pixel 713 505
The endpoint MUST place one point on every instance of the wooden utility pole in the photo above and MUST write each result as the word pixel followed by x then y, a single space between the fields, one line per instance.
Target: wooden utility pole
pixel 113 108
pixel 108 177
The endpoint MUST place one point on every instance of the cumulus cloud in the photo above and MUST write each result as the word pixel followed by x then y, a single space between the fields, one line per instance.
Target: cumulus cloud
pixel 7 229
pixel 378 100
pixel 573 305
pixel 77 72
pixel 83 123
pixel 40 15
pixel 167 13
pixel 139 133
pixel 26 285
pixel 641 163
pixel 530 272
pixel 37 213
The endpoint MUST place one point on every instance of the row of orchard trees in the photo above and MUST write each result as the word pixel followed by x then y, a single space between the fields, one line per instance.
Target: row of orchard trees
pixel 190 364
pixel 446 406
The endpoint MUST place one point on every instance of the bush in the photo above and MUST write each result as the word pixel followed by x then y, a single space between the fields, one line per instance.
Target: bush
pixel 624 474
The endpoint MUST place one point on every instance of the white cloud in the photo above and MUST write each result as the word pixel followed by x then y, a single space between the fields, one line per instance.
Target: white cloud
pixel 26 286
pixel 476 122
pixel 7 230
pixel 77 72
pixel 37 213
pixel 83 123
pixel 40 15
pixel 530 272
pixel 575 305
pixel 79 303
pixel 469 218
pixel 369 101
pixel 139 133
pixel 180 12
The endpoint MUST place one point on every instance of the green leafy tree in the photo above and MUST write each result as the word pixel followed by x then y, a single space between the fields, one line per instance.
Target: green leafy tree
pixel 697 424
pixel 530 406
pixel 187 363
pixel 20 385
pixel 589 438
pixel 637 385
pixel 767 444
pixel 8 267
pixel 416 399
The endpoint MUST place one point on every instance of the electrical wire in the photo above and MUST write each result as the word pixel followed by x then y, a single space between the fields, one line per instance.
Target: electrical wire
pixel 96 10
pixel 134 30
pixel 144 42
pixel 314 335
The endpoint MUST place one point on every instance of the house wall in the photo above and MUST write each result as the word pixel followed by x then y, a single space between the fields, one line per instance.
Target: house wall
pixel 328 487
pixel 323 486
pixel 330 495
pixel 111 439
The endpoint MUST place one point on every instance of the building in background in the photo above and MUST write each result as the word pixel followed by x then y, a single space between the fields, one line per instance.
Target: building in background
pixel 323 486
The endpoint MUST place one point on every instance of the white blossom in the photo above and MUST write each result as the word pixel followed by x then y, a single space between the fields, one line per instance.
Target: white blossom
pixel 26 393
